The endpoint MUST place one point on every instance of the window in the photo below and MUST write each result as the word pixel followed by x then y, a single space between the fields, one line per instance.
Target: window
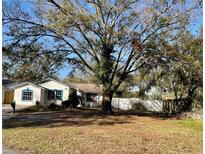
pixel 51 94
pixel 55 94
pixel 27 94
pixel 59 94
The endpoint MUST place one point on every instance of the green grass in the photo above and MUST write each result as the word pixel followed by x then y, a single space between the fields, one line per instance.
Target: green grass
pixel 189 123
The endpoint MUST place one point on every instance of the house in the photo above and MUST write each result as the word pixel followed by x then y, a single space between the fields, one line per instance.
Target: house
pixel 57 91
pixel 28 93
pixel 53 91
pixel 90 92
pixel 46 92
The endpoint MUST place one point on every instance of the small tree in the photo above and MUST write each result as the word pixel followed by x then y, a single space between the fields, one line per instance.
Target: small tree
pixel 182 75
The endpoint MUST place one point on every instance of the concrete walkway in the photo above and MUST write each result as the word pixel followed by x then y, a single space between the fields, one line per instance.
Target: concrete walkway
pixel 7 111
pixel 5 150
pixel 6 108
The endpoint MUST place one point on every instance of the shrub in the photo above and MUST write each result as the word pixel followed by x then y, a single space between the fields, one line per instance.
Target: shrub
pixel 37 103
pixel 36 108
pixel 66 103
pixel 73 101
pixel 54 106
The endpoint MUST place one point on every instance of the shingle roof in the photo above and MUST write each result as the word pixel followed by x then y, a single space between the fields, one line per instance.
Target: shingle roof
pixel 25 83
pixel 88 87
pixel 65 84
pixel 10 83
pixel 7 82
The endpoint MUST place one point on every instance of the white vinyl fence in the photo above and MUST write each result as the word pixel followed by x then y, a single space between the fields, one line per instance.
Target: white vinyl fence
pixel 137 104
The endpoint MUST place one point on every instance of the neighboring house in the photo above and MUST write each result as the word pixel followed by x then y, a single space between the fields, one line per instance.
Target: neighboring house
pixel 90 92
pixel 8 91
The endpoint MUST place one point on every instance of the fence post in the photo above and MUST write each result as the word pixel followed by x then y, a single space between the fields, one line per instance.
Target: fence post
pixel 118 104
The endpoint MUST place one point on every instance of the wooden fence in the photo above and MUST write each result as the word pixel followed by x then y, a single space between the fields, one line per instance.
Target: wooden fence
pixel 173 106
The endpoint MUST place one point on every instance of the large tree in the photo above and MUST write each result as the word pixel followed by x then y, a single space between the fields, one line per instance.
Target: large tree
pixel 109 39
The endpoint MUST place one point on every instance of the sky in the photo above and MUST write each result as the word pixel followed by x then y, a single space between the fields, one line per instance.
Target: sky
pixel 66 69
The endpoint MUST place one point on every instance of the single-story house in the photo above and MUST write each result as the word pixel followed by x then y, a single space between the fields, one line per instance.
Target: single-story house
pixel 91 93
pixel 52 91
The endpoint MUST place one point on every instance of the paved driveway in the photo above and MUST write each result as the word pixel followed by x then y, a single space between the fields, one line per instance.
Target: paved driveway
pixel 7 111
pixel 6 108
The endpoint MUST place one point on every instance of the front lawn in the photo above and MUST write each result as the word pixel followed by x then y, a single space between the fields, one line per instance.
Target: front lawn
pixel 69 132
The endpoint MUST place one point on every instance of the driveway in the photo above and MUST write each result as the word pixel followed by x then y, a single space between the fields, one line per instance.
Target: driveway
pixel 6 108
pixel 7 111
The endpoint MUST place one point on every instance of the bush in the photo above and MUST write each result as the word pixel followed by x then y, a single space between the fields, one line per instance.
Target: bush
pixel 73 101
pixel 36 108
pixel 66 103
pixel 54 106
pixel 37 103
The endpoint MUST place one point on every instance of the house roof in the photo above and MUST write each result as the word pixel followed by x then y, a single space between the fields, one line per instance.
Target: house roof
pixel 88 87
pixel 65 84
pixel 9 83
pixel 6 82
pixel 25 83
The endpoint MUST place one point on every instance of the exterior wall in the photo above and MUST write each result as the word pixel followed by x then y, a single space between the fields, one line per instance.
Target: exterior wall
pixel 36 95
pixel 83 95
pixel 136 103
pixel 43 96
pixel 52 85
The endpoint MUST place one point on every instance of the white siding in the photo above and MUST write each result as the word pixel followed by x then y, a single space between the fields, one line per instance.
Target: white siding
pixel 53 85
pixel 36 95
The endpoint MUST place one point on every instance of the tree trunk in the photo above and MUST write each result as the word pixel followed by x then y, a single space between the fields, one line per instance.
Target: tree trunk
pixel 106 102
pixel 190 99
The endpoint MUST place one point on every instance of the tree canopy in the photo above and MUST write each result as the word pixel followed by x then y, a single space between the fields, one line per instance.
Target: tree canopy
pixel 108 39
pixel 29 63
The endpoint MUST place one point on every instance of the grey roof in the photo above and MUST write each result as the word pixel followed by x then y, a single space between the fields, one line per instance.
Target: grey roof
pixel 7 82
pixel 65 84
pixel 88 87
pixel 10 83
pixel 23 83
